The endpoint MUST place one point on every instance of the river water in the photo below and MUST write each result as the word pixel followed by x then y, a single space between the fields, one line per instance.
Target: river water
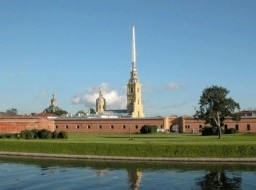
pixel 23 173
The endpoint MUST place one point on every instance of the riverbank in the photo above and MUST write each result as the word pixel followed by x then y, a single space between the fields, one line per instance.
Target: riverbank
pixel 122 158
pixel 142 147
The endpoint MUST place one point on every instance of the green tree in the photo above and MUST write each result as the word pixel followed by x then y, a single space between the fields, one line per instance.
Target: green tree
pixel 215 107
pixel 60 112
pixel 12 111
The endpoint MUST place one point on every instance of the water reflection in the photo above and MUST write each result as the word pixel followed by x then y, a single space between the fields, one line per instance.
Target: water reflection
pixel 79 174
pixel 135 177
pixel 219 180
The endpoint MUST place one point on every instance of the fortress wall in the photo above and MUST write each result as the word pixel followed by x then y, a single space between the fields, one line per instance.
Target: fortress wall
pixel 246 124
pixel 17 124
pixel 106 125
pixel 133 125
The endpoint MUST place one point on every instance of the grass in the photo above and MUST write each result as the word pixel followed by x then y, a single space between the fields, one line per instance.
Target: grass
pixel 153 145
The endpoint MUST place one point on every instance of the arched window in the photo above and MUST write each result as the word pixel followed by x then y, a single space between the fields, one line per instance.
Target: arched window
pixel 248 127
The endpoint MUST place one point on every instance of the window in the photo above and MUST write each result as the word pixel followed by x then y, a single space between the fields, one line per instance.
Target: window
pixel 77 126
pixel 88 126
pixel 112 126
pixel 100 127
pixel 56 126
pixel 66 126
pixel 237 127
pixel 248 127
pixel 131 89
pixel 226 127
pixel 136 127
pixel 124 126
pixel 200 127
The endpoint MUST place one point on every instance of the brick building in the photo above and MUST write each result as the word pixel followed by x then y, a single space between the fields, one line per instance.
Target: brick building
pixel 116 125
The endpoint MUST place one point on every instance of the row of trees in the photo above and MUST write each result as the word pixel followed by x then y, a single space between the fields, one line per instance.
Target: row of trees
pixel 42 134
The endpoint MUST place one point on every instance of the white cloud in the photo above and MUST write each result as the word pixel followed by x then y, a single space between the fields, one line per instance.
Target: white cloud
pixel 88 99
pixel 174 86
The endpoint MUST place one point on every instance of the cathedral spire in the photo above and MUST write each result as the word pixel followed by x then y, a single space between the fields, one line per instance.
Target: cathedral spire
pixel 134 103
pixel 134 75
pixel 133 48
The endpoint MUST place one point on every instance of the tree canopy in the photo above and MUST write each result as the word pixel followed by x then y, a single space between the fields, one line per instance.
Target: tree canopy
pixel 215 107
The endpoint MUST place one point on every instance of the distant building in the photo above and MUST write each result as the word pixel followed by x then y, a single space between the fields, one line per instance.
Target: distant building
pixel 53 108
pixel 100 103
pixel 248 113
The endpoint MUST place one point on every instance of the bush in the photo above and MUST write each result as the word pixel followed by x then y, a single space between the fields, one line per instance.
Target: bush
pixel 40 134
pixel 54 134
pixel 35 132
pixel 148 129
pixel 44 134
pixel 207 131
pixel 26 134
pixel 62 135
pixel 230 131
pixel 8 135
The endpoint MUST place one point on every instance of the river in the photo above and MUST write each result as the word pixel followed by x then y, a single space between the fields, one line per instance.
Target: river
pixel 24 173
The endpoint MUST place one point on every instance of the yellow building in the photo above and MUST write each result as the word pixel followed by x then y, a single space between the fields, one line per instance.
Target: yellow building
pixel 100 103
pixel 134 99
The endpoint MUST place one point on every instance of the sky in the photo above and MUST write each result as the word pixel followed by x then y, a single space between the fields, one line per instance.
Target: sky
pixel 72 48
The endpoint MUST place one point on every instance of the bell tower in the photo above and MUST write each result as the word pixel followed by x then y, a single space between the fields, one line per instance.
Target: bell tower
pixel 134 102
pixel 100 103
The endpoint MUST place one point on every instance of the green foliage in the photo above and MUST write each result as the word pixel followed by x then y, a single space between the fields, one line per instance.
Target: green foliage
pixel 26 134
pixel 146 145
pixel 60 112
pixel 132 150
pixel 215 107
pixel 148 129
pixel 42 134
pixel 207 131
pixel 54 134
pixel 8 135
pixel 12 111
pixel 230 131
pixel 62 135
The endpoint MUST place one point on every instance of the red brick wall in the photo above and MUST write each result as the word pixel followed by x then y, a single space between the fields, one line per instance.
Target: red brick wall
pixel 244 125
pixel 105 125
pixel 186 124
pixel 17 124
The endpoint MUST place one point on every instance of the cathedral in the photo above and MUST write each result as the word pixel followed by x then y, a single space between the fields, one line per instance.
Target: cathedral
pixel 129 120
pixel 53 108
pixel 134 99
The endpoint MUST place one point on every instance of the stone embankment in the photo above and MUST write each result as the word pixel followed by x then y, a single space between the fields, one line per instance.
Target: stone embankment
pixel 122 158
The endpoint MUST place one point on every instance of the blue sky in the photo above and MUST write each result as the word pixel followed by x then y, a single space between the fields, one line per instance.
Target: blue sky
pixel 74 47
